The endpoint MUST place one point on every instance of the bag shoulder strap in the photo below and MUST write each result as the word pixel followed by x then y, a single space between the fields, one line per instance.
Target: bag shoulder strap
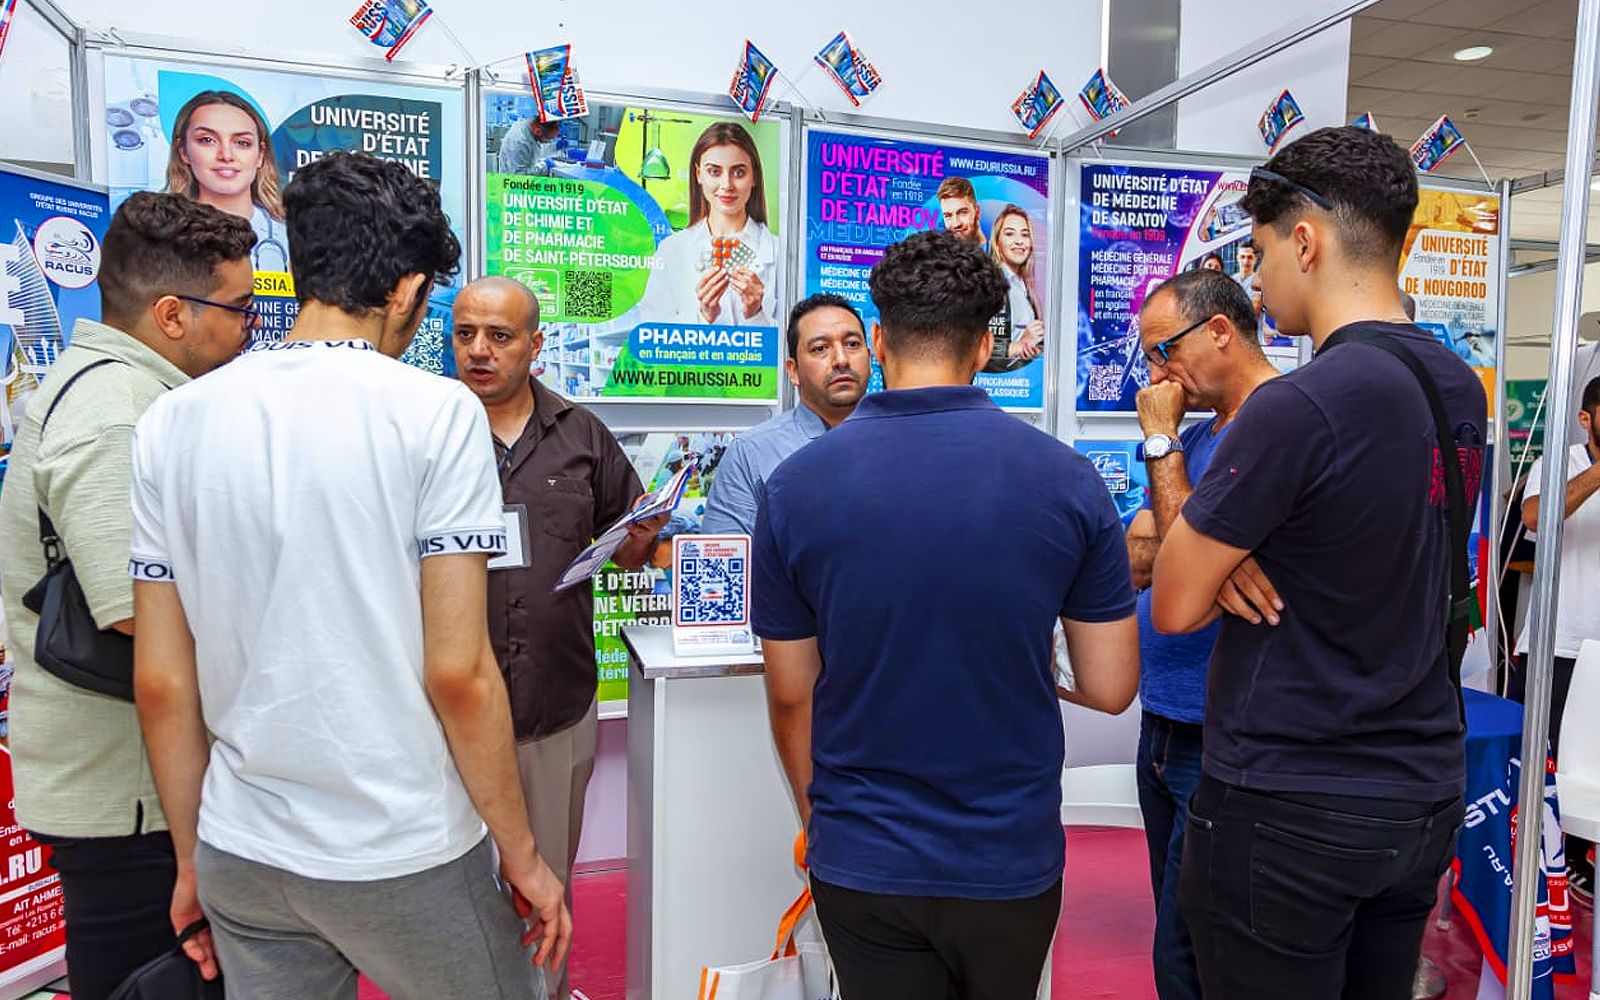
pixel 1461 597
pixel 48 536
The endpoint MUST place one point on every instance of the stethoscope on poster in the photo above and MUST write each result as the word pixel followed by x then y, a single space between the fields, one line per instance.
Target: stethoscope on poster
pixel 268 245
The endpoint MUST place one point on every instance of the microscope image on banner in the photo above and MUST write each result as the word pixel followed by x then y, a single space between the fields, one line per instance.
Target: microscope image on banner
pixel 865 193
pixel 233 137
pixel 651 238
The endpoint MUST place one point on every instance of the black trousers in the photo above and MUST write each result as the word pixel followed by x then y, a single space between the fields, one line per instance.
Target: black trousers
pixel 1288 899
pixel 117 893
pixel 1560 685
pixel 935 948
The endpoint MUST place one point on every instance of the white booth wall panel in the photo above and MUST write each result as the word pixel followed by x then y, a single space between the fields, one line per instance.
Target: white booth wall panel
pixel 621 44
pixel 1222 118
pixel 35 76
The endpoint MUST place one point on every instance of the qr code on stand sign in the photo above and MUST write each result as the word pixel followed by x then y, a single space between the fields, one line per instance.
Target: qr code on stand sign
pixel 1105 383
pixel 588 294
pixel 711 589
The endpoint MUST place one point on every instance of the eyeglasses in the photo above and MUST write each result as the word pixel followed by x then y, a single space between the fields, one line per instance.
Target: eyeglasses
pixel 1158 355
pixel 252 315
pixel 1318 199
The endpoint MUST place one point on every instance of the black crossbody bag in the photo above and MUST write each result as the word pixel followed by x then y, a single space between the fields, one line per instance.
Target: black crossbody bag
pixel 1458 626
pixel 68 644
pixel 173 976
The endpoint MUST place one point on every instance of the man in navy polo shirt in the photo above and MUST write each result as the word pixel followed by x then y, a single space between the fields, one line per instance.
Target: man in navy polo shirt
pixel 908 648
pixel 1333 764
pixel 1198 334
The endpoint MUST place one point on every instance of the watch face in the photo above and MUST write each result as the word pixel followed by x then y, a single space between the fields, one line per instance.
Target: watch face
pixel 1158 446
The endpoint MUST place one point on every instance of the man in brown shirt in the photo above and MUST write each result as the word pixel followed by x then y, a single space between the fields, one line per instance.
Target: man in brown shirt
pixel 561 465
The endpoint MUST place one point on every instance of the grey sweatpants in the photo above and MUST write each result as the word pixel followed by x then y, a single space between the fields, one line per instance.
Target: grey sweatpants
pixel 447 933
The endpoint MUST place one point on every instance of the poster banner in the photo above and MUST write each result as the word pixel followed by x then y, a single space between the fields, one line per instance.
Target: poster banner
pixel 864 193
pixel 1524 434
pixel 33 929
pixel 50 235
pixel 1139 226
pixel 1126 478
pixel 1451 267
pixel 651 239
pixel 644 596
pixel 243 132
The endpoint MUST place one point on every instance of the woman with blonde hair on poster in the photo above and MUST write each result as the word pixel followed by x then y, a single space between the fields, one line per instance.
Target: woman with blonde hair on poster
pixel 221 155
pixel 1011 247
pixel 723 267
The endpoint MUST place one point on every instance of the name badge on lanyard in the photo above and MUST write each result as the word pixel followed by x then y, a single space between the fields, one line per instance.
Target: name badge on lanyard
pixel 519 544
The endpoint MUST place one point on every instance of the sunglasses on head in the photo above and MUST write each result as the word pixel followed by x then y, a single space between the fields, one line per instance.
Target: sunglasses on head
pixel 1269 177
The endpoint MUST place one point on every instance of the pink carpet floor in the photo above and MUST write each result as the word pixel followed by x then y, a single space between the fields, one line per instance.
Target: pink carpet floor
pixel 1102 946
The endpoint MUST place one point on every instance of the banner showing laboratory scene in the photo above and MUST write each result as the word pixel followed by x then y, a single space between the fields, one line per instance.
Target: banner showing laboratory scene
pixel 644 596
pixel 864 193
pixel 651 238
pixel 1451 269
pixel 232 137
pixel 50 235
pixel 1139 226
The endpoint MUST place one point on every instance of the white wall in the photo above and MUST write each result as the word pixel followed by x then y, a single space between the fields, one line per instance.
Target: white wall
pixel 936 66
pixel 1222 118
pixel 36 113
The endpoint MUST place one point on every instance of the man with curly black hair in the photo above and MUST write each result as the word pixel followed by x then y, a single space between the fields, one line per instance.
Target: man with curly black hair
pixel 176 299
pixel 312 527
pixel 1333 766
pixel 910 684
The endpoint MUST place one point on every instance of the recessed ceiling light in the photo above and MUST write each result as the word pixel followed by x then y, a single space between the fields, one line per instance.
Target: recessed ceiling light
pixel 1474 53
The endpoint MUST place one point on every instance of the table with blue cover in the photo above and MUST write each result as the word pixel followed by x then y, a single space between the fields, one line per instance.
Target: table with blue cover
pixel 1483 865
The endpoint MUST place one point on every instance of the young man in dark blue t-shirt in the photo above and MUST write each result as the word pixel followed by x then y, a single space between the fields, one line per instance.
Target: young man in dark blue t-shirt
pixel 1333 764
pixel 1198 335
pixel 908 648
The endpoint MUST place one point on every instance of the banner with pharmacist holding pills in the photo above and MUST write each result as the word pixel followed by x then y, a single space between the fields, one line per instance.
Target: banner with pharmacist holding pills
pixel 652 238
pixel 233 136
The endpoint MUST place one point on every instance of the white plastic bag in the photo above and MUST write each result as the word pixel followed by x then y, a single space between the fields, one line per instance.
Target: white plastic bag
pixel 793 972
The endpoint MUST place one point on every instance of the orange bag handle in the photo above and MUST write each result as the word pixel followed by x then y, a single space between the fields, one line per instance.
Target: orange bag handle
pixel 785 947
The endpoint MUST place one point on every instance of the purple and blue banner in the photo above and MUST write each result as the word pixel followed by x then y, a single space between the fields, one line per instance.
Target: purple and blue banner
pixel 865 193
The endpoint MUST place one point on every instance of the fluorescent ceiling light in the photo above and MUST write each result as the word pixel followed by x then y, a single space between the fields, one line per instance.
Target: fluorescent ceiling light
pixel 1474 53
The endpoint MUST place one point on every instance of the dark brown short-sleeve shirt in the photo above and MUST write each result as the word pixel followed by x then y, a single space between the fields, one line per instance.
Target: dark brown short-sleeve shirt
pixel 569 472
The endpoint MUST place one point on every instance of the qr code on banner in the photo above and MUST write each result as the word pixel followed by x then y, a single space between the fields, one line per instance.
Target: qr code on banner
pixel 1105 383
pixel 588 294
pixel 711 591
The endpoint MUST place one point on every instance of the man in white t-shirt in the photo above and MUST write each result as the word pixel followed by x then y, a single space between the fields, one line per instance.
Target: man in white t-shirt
pixel 1578 609
pixel 311 530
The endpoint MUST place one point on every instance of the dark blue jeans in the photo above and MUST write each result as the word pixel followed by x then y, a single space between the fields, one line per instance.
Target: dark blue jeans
pixel 1169 770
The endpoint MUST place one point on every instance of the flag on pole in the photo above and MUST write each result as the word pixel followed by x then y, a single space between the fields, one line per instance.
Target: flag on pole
pixel 1366 121
pixel 1281 116
pixel 1436 144
pixel 8 8
pixel 850 69
pixel 1037 104
pixel 390 24
pixel 1100 96
pixel 752 81
pixel 556 91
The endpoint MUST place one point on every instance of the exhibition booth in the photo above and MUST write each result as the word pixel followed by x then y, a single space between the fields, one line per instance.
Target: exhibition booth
pixel 592 211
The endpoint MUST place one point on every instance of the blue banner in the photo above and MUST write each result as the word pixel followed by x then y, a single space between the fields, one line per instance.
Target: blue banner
pixel 50 235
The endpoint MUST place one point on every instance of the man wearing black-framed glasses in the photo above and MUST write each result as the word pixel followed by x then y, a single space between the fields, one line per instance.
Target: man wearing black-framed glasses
pixel 83 780
pixel 1198 335
pixel 1334 760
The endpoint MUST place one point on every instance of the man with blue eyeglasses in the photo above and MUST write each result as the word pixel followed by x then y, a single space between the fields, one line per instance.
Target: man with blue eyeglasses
pixel 1197 333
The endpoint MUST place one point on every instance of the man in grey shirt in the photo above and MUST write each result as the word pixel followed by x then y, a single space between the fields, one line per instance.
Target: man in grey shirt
pixel 829 365
pixel 176 295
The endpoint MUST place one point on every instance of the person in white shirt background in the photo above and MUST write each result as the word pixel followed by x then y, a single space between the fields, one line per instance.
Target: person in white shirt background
pixel 1577 611
pixel 221 155
pixel 1011 246
pixel 727 200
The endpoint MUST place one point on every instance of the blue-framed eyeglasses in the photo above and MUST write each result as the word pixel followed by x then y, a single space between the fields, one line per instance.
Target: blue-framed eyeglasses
pixel 1268 176
pixel 1158 354
pixel 251 314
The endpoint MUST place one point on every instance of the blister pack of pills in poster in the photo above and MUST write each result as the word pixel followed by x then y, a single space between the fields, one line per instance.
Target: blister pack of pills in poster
pixel 727 253
pixel 711 580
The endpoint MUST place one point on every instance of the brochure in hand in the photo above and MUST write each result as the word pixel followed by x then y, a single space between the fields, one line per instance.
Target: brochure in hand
pixel 651 505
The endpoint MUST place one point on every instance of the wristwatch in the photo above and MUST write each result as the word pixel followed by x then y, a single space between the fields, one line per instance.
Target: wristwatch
pixel 1158 446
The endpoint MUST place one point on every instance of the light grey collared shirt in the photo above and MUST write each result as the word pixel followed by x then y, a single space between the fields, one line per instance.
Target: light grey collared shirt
pixel 731 507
